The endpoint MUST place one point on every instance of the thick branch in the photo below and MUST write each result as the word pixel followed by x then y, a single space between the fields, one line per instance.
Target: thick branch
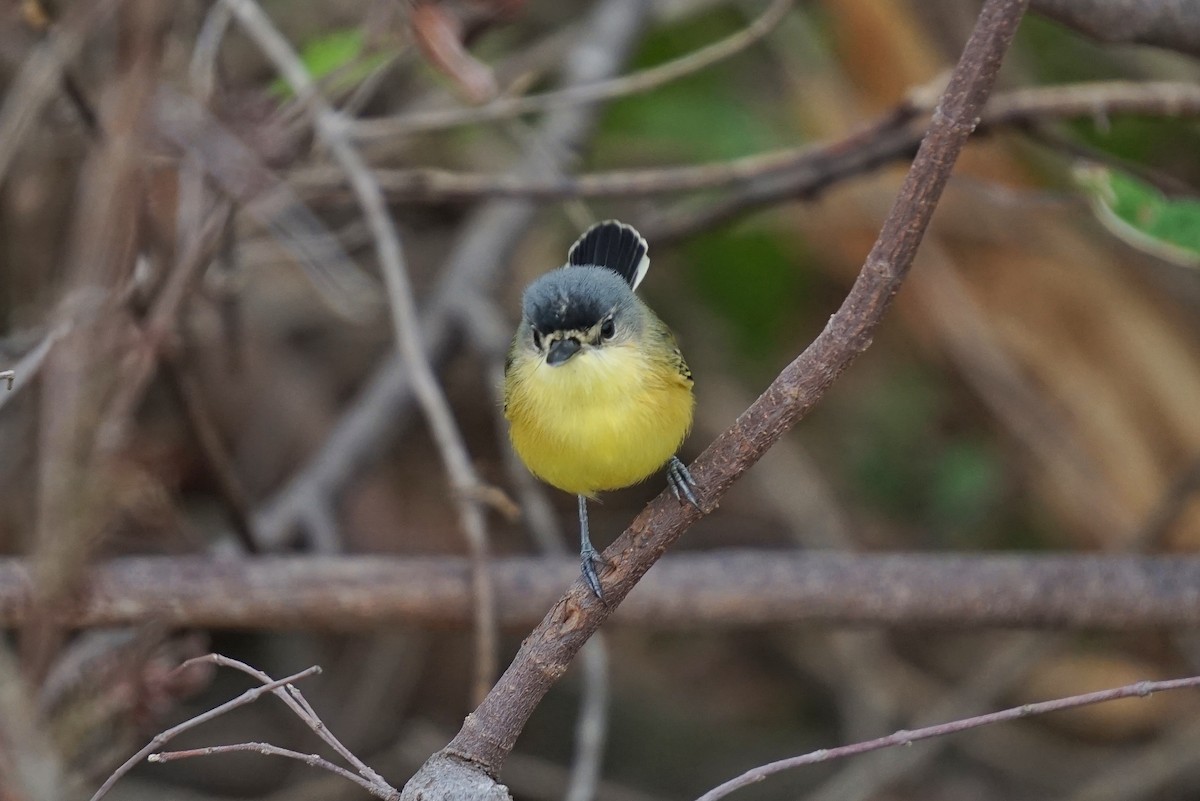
pixel 724 588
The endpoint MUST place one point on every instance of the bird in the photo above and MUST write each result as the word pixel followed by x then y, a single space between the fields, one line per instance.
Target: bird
pixel 596 391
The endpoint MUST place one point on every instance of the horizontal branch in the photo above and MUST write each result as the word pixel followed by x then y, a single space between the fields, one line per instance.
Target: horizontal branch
pixel 731 588
pixel 807 169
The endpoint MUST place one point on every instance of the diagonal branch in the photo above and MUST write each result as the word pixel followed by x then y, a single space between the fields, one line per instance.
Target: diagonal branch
pixel 490 732
pixel 1173 24
pixel 1142 689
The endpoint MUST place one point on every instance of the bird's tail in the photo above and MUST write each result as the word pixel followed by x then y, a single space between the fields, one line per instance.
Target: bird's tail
pixel 614 245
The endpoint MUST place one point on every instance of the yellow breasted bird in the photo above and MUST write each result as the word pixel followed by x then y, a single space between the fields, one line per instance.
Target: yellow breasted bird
pixel 596 392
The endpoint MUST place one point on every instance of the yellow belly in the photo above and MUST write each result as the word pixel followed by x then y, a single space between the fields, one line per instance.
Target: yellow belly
pixel 605 419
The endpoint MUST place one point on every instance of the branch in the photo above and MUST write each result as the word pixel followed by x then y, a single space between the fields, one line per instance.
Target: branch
pixel 1173 24
pixel 491 731
pixel 808 169
pixel 249 696
pixel 594 92
pixel 723 588
pixel 405 323
pixel 487 241
pixel 1140 690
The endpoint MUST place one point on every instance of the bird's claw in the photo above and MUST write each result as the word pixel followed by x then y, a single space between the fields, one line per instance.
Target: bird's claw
pixel 682 485
pixel 588 558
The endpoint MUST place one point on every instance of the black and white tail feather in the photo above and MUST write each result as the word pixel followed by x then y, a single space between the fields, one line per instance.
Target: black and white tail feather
pixel 614 245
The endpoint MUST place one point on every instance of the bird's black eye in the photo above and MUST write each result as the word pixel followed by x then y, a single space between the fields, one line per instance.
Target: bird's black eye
pixel 608 329
pixel 537 339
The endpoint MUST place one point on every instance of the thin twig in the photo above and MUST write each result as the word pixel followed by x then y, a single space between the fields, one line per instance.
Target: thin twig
pixel 406 327
pixel 903 737
pixel 300 706
pixel 266 749
pixel 626 85
pixel 161 739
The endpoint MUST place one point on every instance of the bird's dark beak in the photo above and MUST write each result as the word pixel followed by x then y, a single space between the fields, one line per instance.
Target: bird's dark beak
pixel 561 350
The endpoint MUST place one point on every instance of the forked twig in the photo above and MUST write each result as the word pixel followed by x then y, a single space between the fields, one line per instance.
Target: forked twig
pixel 362 774
pixel 161 739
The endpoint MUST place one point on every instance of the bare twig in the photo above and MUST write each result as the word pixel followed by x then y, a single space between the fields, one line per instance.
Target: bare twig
pixel 161 739
pixel 1140 690
pixel 266 749
pixel 406 327
pixel 300 706
pixel 643 81
pixel 7 376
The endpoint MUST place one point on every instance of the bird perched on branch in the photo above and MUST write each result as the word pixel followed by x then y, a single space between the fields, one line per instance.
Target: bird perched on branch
pixel 596 392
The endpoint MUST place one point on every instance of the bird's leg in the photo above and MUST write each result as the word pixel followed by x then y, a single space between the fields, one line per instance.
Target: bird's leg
pixel 588 557
pixel 681 482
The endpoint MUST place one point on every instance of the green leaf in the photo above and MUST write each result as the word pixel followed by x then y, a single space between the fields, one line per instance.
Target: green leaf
pixel 1139 214
pixel 340 51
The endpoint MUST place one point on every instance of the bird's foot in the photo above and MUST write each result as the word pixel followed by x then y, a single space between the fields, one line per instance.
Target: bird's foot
pixel 588 559
pixel 683 486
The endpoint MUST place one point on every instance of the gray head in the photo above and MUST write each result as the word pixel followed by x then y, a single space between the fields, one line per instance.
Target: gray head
pixel 590 302
pixel 575 308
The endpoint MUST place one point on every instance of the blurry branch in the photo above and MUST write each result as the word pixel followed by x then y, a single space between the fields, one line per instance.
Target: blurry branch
pixel 31 767
pixel 723 588
pixel 438 33
pixel 1157 527
pixel 220 462
pixel 85 411
pixel 643 81
pixel 28 365
pixel 809 168
pixel 490 732
pixel 331 128
pixel 489 236
pixel 41 74
pixel 241 174
pixel 1140 690
pixel 159 326
pixel 1173 24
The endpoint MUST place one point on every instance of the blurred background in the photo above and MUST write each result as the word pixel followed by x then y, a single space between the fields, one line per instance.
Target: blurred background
pixel 193 303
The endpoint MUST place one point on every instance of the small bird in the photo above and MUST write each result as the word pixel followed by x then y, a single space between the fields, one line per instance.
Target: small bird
pixel 596 392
